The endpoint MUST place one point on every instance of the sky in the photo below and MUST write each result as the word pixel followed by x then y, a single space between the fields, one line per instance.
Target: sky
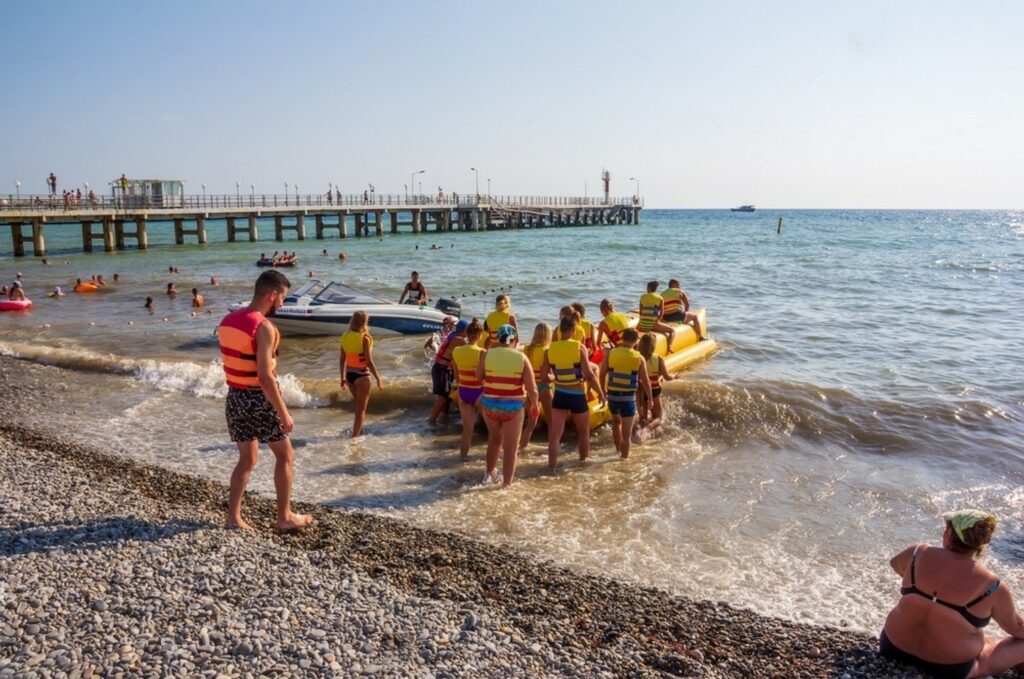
pixel 859 104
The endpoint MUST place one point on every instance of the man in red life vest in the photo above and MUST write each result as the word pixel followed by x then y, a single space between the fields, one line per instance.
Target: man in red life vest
pixel 255 410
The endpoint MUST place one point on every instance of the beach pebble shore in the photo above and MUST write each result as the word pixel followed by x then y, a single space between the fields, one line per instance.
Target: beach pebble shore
pixel 114 568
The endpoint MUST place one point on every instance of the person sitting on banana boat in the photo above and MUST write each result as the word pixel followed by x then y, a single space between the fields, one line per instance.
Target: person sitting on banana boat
pixel 651 312
pixel 677 308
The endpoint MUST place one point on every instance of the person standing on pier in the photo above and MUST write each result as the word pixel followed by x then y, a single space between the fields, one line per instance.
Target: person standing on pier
pixel 255 409
pixel 51 182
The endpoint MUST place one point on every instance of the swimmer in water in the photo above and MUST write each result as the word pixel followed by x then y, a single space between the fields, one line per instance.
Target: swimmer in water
pixel 117 278
pixel 171 290
pixel 213 281
pixel 149 303
pixel 197 299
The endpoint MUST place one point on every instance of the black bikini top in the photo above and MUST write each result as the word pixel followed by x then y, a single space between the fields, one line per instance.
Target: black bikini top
pixel 962 610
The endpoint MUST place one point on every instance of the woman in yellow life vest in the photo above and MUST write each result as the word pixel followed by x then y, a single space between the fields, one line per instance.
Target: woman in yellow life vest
pixel 612 325
pixel 650 411
pixel 569 312
pixel 356 366
pixel 466 358
pixel 535 352
pixel 508 381
pixel 651 312
pixel 588 328
pixel 502 315
pixel 624 370
pixel 677 308
pixel 566 360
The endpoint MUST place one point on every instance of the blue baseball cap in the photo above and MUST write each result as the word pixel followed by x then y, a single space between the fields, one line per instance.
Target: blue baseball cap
pixel 505 332
pixel 461 325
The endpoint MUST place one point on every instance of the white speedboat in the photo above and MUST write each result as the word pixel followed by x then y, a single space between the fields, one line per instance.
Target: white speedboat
pixel 325 308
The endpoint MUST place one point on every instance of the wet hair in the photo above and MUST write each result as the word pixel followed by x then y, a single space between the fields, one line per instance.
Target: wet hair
pixel 580 309
pixel 630 335
pixel 474 329
pixel 271 281
pixel 673 283
pixel 646 346
pixel 195 291
pixel 567 326
pixel 975 537
pixel 541 337
pixel 502 302
pixel 358 321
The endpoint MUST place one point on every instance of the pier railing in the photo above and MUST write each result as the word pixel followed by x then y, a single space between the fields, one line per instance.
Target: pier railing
pixel 242 201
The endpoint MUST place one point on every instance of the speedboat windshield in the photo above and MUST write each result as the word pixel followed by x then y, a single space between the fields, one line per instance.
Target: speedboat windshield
pixel 336 293
pixel 310 289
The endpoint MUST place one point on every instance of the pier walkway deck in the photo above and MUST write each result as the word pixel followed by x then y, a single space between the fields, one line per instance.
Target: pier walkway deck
pixel 380 213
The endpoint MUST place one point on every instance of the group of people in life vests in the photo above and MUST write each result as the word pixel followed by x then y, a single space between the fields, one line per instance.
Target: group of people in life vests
pixel 563 372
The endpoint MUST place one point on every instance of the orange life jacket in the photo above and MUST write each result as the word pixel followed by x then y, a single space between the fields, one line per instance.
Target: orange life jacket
pixel 237 336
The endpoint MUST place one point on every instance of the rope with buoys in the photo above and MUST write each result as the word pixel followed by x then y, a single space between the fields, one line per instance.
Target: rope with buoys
pixel 506 288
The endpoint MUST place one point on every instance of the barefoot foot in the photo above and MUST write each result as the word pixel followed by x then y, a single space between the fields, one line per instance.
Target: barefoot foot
pixel 294 522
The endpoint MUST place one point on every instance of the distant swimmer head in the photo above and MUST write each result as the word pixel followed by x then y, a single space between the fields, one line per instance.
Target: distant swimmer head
pixel 506 334
pixel 502 302
pixel 968 530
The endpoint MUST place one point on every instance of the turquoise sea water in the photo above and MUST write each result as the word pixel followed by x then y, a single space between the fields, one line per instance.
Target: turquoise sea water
pixel 868 379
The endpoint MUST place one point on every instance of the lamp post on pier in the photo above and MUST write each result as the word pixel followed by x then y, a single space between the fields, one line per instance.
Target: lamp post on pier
pixel 636 196
pixel 488 188
pixel 252 195
pixel 204 195
pixel 17 188
pixel 286 194
pixel 412 177
pixel 476 173
pixel 238 193
pixel 296 195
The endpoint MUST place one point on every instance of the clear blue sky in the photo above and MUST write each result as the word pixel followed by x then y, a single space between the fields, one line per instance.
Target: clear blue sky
pixel 711 104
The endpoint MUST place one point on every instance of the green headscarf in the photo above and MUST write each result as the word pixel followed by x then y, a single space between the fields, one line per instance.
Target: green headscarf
pixel 964 519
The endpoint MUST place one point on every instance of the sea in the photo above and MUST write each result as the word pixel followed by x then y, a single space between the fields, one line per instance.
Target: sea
pixel 869 378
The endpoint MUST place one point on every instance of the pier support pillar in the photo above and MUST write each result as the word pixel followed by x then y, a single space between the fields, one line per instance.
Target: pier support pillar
pixel 253 236
pixel 393 221
pixel 38 244
pixel 278 231
pixel 319 219
pixel 379 223
pixel 18 240
pixel 108 234
pixel 179 232
pixel 417 226
pixel 201 228
pixel 343 224
pixel 358 217
pixel 87 236
pixel 231 228
pixel 636 215
pixel 300 226
pixel 119 234
pixel 141 237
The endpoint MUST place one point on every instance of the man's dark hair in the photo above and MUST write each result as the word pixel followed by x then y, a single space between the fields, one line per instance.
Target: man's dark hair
pixel 271 280
pixel 415 273
pixel 567 325
pixel 652 286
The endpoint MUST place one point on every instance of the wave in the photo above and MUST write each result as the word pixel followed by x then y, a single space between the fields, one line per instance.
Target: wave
pixel 776 410
pixel 205 380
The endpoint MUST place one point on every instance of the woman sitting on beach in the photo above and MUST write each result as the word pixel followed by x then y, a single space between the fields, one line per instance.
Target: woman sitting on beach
pixel 356 366
pixel 947 598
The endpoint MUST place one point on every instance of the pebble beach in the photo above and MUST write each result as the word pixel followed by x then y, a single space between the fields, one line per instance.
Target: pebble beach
pixel 117 568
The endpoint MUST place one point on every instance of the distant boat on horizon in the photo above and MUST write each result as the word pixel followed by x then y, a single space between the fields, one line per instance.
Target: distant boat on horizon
pixel 743 208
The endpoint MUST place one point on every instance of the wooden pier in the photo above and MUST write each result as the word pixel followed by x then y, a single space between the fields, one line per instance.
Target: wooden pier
pixel 118 225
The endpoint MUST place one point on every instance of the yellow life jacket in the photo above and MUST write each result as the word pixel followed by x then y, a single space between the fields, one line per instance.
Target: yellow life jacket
pixel 466 358
pixel 495 320
pixel 654 371
pixel 673 298
pixel 587 329
pixel 355 360
pixel 503 373
pixel 650 311
pixel 536 356
pixel 237 337
pixel 623 368
pixel 615 323
pixel 564 357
